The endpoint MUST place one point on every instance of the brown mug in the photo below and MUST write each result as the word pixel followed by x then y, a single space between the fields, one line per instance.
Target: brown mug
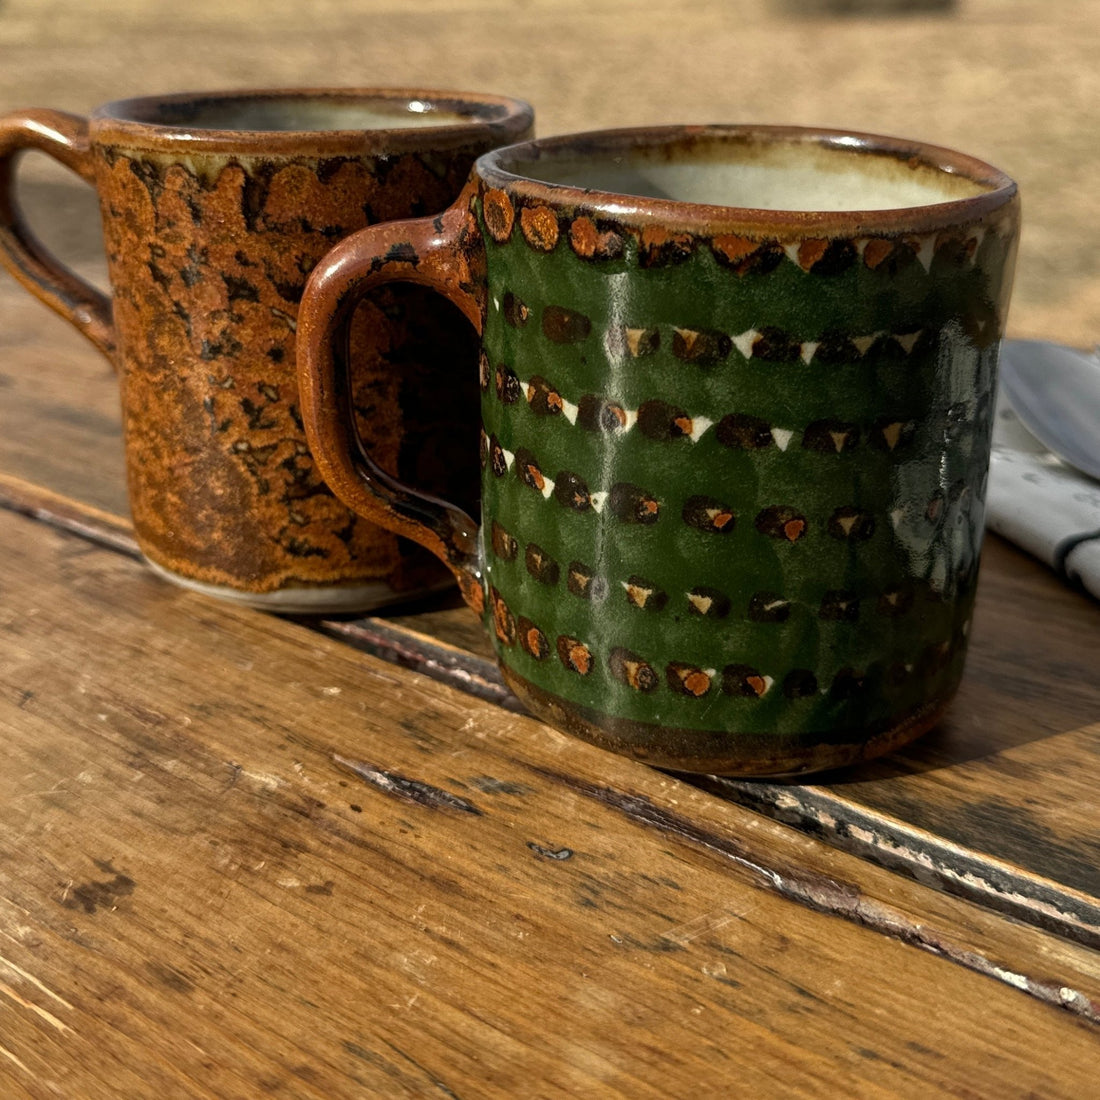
pixel 216 206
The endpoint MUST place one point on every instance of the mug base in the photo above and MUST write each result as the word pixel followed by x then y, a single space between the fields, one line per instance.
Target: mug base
pixel 306 600
pixel 749 756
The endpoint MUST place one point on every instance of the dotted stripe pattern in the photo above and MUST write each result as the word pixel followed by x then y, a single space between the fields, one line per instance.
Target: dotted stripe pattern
pixel 597 239
pixel 663 421
pixel 584 582
pixel 628 461
pixel 735 680
pixel 710 347
pixel 633 504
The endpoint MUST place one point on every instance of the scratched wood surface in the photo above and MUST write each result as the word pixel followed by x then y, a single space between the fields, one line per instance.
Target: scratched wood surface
pixel 237 857
pixel 167 923
pixel 997 804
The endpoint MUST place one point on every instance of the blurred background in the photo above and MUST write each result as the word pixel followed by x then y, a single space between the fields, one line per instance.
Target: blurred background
pixel 1013 81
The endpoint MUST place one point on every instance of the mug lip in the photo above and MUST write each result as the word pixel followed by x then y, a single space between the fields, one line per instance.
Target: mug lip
pixel 495 170
pixel 484 116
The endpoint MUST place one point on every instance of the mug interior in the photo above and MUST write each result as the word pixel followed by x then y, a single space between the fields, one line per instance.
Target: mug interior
pixel 298 112
pixel 771 170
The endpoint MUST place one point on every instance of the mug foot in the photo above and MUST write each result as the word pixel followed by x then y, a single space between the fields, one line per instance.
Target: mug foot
pixel 727 753
pixel 307 600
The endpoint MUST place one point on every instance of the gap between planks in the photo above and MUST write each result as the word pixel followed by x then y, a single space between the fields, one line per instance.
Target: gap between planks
pixel 874 836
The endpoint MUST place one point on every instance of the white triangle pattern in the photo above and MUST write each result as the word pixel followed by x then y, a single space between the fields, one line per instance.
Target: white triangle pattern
pixel 744 343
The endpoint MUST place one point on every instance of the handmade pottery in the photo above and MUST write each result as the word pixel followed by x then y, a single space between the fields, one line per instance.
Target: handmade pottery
pixel 736 399
pixel 215 208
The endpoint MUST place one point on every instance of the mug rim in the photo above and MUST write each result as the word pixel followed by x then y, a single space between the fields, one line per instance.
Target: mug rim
pixel 498 169
pixel 483 116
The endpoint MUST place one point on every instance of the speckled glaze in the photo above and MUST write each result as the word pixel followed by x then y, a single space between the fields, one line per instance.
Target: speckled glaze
pixel 215 209
pixel 734 459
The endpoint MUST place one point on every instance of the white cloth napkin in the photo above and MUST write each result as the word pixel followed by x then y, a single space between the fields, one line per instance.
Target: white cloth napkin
pixel 1042 505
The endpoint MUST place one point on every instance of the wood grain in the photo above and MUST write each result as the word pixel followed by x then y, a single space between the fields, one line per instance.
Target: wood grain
pixel 237 857
pixel 995 805
pixel 999 802
pixel 197 898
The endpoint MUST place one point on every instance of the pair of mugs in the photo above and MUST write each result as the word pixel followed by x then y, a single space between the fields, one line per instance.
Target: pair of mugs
pixel 736 388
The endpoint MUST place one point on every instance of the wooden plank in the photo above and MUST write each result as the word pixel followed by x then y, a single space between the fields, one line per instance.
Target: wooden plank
pixel 970 807
pixel 52 508
pixel 59 400
pixel 236 856
pixel 997 803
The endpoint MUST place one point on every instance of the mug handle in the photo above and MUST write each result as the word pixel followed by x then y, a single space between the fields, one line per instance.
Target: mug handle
pixel 64 137
pixel 446 254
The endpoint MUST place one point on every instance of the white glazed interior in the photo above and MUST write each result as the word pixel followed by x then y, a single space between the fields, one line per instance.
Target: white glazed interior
pixel 300 114
pixel 795 176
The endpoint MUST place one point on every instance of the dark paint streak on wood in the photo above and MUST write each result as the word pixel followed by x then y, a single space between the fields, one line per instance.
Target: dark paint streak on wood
pixel 488 785
pixel 91 896
pixel 921 855
pixel 372 1059
pixel 408 790
pixel 435 1081
pixel 723 979
pixel 550 853
pixel 170 977
pixel 68 516
pixel 472 675
pixel 661 945
pixel 832 896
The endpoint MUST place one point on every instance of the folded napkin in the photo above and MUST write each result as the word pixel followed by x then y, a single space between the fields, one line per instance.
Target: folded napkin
pixel 1042 505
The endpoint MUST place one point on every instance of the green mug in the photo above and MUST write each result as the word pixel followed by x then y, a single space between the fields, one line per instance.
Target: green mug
pixel 737 388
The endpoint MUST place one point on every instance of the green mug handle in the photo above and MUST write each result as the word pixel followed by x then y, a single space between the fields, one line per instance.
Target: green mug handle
pixel 63 137
pixel 446 254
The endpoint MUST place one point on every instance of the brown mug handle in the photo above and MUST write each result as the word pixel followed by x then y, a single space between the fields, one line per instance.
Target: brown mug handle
pixel 444 253
pixel 65 138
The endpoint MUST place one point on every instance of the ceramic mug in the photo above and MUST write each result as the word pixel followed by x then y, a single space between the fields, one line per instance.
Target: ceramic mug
pixel 736 399
pixel 215 208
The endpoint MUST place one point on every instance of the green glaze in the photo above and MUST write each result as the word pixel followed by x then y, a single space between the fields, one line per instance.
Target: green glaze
pixel 733 457
pixel 909 401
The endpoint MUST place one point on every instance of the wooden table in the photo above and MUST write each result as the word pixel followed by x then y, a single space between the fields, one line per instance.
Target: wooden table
pixel 243 855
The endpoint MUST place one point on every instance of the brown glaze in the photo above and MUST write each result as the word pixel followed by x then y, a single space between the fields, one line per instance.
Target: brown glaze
pixel 213 269
pixel 210 236
pixel 680 750
pixel 442 253
pixel 65 138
